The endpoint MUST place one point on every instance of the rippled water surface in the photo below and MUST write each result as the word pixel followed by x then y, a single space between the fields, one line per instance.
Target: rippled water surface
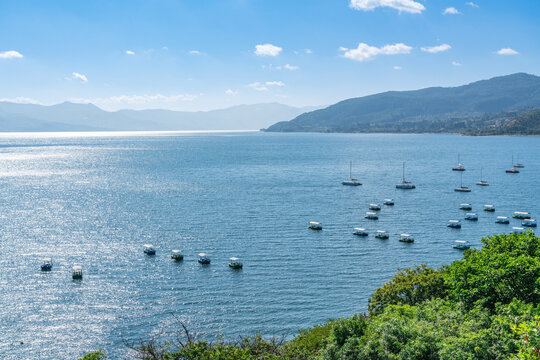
pixel 95 199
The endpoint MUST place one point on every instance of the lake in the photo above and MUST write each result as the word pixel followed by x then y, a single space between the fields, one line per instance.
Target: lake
pixel 95 198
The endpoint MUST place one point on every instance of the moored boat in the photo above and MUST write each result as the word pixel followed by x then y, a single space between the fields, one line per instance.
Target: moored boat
pixel 203 259
pixel 149 249
pixel 471 217
pixel 454 224
pixel 352 181
pixel 76 272
pixel 528 223
pixel 46 264
pixel 462 188
pixel 459 166
pixel 404 184
pixel 235 263
pixel 502 220
pixel 489 208
pixel 465 207
pixel 388 202
pixel 314 225
pixel 177 255
pixel 360 232
pixel 371 216
pixel 522 215
pixel 381 234
pixel 518 230
pixel 461 245
pixel 482 182
pixel 374 207
pixel 407 238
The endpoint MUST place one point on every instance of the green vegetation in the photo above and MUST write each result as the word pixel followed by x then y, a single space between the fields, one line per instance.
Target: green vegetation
pixel 485 107
pixel 484 306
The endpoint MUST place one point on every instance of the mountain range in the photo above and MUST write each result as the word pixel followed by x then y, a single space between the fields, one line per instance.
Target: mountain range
pixel 69 116
pixel 463 109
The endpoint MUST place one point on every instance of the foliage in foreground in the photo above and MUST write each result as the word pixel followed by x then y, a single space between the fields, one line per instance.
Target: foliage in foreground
pixel 485 306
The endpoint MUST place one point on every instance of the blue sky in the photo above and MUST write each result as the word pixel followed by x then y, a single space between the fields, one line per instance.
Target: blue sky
pixel 207 54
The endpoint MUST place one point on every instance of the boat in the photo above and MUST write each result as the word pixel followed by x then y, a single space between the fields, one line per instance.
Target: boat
pixel 203 259
pixel 149 249
pixel 381 234
pixel 177 255
pixel 404 184
pixel 46 264
pixel 528 223
pixel 518 230
pixel 471 217
pixel 360 232
pixel 482 182
pixel 489 208
pixel 522 215
pixel 465 207
pixel 352 181
pixel 407 238
pixel 314 225
pixel 374 207
pixel 462 188
pixel 519 165
pixel 454 224
pixel 371 216
pixel 235 263
pixel 76 272
pixel 459 166
pixel 513 169
pixel 388 202
pixel 502 220
pixel 461 245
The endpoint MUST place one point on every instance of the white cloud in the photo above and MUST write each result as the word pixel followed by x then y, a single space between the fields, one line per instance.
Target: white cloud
pixel 129 52
pixel 507 51
pixel 408 6
pixel 267 50
pixel 455 63
pixel 165 48
pixel 11 54
pixel 451 11
pixel 364 52
pixel 470 3
pixel 274 83
pixel 258 86
pixel 231 92
pixel 308 51
pixel 137 99
pixel 436 49
pixel 397 68
pixel 21 100
pixel 287 67
pixel 78 76
pixel 195 52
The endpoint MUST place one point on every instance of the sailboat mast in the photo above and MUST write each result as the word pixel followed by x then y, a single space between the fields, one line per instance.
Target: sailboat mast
pixel 404 171
pixel 350 169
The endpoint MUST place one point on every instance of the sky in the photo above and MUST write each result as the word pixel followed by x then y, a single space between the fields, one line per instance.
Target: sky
pixel 207 54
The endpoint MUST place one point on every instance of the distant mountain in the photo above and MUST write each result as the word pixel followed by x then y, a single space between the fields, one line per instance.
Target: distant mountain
pixel 435 109
pixel 513 123
pixel 88 117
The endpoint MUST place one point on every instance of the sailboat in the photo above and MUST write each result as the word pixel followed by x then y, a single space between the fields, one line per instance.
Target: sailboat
pixel 519 165
pixel 459 167
pixel 462 188
pixel 352 181
pixel 404 184
pixel 482 182
pixel 514 169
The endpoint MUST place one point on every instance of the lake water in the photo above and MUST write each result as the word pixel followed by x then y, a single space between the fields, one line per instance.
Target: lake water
pixel 95 199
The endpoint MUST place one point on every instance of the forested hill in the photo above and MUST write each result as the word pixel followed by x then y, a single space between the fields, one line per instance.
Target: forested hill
pixel 435 109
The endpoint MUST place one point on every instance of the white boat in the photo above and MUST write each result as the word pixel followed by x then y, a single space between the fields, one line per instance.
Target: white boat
pixel 381 234
pixel 528 223
pixel 388 202
pixel 404 184
pixel 371 216
pixel 314 225
pixel 76 272
pixel 149 249
pixel 360 232
pixel 462 188
pixel 482 182
pixel 408 238
pixel 455 224
pixel 461 245
pixel 46 264
pixel 522 215
pixel 235 263
pixel 352 181
pixel 471 217
pixel 465 207
pixel 518 230
pixel 459 166
pixel 489 208
pixel 502 220
pixel 519 165
pixel 374 207
pixel 177 255
pixel 203 259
